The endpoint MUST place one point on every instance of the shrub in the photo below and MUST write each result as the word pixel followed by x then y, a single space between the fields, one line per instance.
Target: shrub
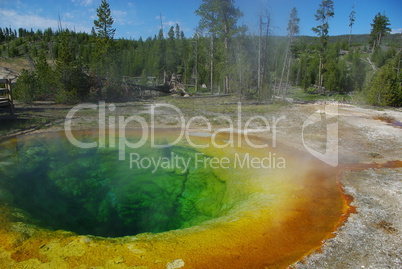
pixel 66 97
pixel 385 88
pixel 26 87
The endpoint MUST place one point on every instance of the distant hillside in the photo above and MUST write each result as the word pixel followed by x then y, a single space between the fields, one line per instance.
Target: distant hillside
pixel 357 40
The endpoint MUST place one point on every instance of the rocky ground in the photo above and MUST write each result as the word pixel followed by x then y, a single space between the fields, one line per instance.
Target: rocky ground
pixel 7 73
pixel 371 238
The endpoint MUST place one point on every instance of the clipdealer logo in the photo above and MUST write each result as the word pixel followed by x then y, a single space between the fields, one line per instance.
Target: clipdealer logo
pixel 114 129
pixel 330 114
pixel 181 164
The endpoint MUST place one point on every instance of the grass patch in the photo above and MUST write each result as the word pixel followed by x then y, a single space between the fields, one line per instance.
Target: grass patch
pixel 13 124
pixel 300 94
pixel 263 109
pixel 213 106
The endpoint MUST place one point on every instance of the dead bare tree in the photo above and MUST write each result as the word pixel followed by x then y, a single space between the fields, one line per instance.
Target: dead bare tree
pixel 212 63
pixel 264 28
pixel 293 29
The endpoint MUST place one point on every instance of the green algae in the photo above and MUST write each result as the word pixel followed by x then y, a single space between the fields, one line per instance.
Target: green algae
pixel 89 191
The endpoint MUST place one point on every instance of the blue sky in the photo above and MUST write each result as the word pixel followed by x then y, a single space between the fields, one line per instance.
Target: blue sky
pixel 135 18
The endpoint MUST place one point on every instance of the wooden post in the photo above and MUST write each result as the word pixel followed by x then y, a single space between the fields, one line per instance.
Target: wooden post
pixel 10 96
pixel 7 99
pixel 196 63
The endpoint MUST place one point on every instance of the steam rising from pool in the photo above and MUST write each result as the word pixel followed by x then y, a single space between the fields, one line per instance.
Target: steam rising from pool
pixel 233 207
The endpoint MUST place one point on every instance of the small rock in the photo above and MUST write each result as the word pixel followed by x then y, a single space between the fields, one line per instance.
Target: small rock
pixel 179 263
pixel 375 155
pixel 119 259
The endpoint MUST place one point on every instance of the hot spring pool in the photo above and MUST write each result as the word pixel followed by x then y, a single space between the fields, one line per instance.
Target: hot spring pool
pixel 179 206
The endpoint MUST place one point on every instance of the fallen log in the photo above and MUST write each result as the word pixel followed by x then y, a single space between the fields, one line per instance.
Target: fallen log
pixel 162 88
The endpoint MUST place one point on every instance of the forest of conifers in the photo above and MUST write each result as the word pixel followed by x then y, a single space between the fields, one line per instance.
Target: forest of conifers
pixel 69 67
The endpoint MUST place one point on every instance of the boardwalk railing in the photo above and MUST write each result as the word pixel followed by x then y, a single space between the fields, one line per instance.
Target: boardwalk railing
pixel 6 97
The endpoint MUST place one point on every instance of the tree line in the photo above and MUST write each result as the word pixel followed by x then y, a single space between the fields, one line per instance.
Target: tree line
pixel 222 54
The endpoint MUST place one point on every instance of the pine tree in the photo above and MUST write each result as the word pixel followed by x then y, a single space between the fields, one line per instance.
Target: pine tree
pixel 160 54
pixel 386 88
pixel 177 31
pixel 323 15
pixel 220 18
pixel 171 52
pixel 352 18
pixel 74 84
pixel 379 29
pixel 2 36
pixel 93 32
pixel 44 74
pixel 103 58
pixel 104 23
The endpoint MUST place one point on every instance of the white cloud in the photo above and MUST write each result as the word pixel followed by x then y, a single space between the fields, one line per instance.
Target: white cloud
pixel 396 31
pixel 159 17
pixel 170 23
pixel 119 13
pixel 28 21
pixel 83 2
pixel 69 15
pixel 11 17
pixel 120 17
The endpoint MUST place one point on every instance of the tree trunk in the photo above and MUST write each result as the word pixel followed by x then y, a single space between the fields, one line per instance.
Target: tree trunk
pixel 319 76
pixel 322 78
pixel 350 37
pixel 226 85
pixel 196 64
pixel 287 76
pixel 266 57
pixel 259 75
pixel 285 63
pixel 379 39
pixel 212 63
